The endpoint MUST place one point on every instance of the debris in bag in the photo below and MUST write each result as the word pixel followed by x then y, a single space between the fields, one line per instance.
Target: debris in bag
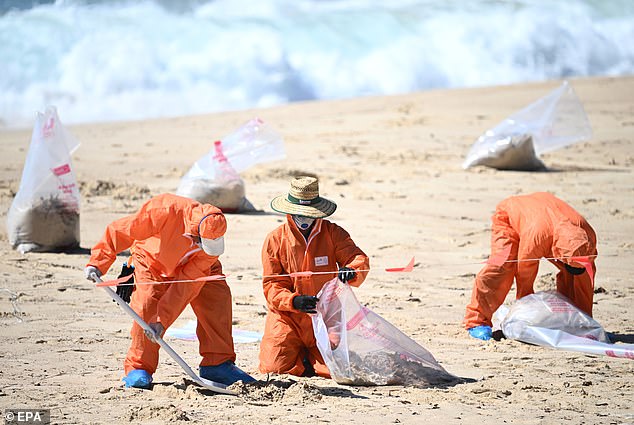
pixel 512 153
pixel 550 319
pixel 225 190
pixel 361 348
pixel 214 178
pixel 550 123
pixel 47 224
pixel 44 215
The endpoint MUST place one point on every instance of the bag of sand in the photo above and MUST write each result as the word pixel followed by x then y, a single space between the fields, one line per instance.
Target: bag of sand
pixel 362 348
pixel 44 215
pixel 552 122
pixel 214 179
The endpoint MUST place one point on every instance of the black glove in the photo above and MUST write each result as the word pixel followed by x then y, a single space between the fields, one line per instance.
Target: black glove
pixel 125 289
pixel 346 274
pixel 305 303
pixel 576 271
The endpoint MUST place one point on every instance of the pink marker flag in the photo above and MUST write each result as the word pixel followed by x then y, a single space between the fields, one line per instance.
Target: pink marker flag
pixel 407 268
pixel 585 262
pixel 113 282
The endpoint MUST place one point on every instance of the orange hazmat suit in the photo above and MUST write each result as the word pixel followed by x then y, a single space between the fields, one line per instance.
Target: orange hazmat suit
pixel 288 334
pixel 531 227
pixel 159 237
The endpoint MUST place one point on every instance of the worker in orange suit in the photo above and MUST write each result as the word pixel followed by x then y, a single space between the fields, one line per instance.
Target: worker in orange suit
pixel 305 242
pixel 173 238
pixel 526 228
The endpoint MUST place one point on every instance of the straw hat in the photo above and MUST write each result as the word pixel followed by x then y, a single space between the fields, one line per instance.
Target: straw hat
pixel 303 199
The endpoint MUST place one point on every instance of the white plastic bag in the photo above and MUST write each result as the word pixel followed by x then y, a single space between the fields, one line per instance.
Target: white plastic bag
pixel 253 143
pixel 361 348
pixel 214 178
pixel 44 215
pixel 552 122
pixel 549 319
pixel 221 186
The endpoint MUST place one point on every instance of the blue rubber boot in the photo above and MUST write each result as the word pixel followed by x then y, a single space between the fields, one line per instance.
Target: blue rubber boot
pixel 138 378
pixel 482 332
pixel 225 373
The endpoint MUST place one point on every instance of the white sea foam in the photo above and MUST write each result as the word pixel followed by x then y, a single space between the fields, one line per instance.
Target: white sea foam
pixel 121 60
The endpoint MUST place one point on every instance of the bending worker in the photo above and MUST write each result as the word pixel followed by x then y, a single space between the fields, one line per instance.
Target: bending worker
pixel 305 242
pixel 526 228
pixel 173 238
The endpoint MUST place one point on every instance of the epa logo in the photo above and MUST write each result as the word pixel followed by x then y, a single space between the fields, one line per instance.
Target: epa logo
pixel 27 416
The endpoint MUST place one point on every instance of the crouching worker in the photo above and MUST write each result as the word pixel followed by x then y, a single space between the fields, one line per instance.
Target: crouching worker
pixel 526 228
pixel 305 242
pixel 173 238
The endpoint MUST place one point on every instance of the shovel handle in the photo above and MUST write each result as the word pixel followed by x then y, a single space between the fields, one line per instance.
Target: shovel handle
pixel 215 386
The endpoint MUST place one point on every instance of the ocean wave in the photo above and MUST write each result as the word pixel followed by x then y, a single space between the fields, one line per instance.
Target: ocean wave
pixel 123 60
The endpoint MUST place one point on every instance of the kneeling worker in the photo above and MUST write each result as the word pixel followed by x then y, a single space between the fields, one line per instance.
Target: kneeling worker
pixel 173 238
pixel 305 242
pixel 526 228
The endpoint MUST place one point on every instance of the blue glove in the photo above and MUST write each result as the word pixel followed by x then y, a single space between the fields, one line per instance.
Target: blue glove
pixel 482 332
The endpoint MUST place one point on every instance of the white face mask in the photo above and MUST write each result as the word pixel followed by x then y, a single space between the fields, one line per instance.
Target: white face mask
pixel 303 223
pixel 213 247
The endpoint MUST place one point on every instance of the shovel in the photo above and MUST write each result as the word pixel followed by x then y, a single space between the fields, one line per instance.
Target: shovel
pixel 205 383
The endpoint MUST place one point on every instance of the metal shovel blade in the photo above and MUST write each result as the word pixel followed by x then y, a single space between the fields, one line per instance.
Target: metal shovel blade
pixel 206 383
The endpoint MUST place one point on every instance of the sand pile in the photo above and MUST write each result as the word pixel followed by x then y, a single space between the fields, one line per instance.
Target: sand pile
pixel 165 414
pixel 277 392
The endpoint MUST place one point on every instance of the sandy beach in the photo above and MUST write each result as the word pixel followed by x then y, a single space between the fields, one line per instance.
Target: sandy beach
pixel 393 166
